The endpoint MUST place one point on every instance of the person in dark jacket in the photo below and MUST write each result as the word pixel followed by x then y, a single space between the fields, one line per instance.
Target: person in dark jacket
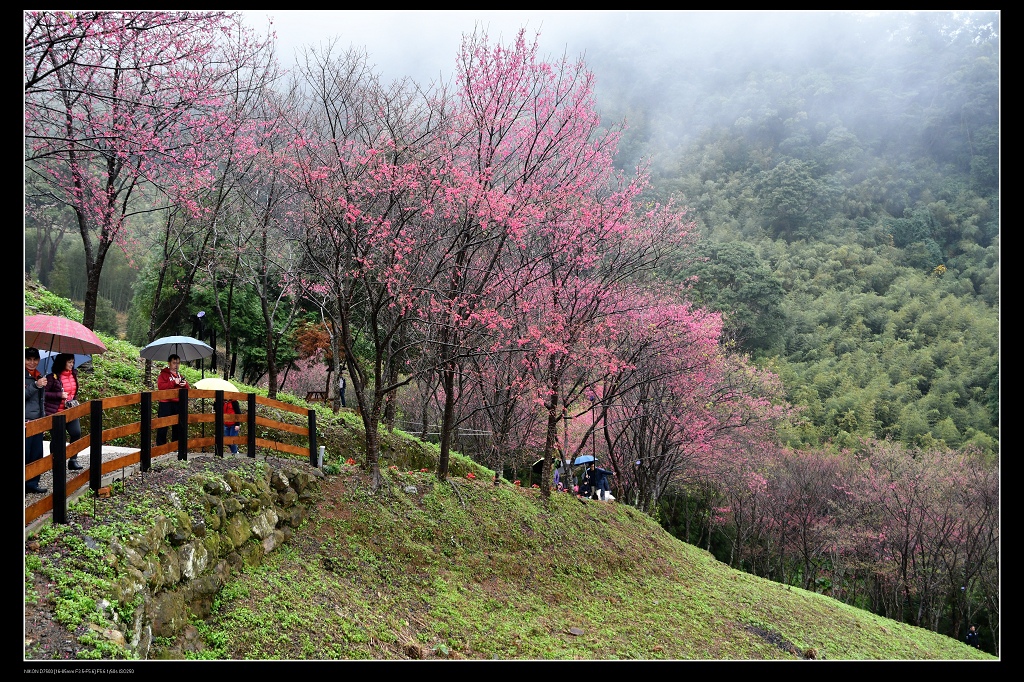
pixel 972 638
pixel 600 481
pixel 586 484
pixel 35 383
pixel 62 386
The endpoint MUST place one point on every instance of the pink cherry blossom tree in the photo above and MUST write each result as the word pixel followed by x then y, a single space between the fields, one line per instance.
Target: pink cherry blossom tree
pixel 679 403
pixel 920 527
pixel 366 156
pixel 524 137
pixel 121 109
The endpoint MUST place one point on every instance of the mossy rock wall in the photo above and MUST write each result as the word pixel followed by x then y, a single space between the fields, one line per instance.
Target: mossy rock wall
pixel 174 570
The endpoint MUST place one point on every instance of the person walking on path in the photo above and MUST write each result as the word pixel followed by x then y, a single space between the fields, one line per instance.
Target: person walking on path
pixel 972 638
pixel 167 379
pixel 61 393
pixel 600 478
pixel 35 383
pixel 341 386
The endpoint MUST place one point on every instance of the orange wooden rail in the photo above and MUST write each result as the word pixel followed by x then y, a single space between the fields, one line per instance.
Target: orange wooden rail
pixel 93 440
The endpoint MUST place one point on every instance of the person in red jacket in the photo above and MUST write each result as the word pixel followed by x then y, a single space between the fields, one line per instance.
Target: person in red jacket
pixel 231 427
pixel 62 386
pixel 167 379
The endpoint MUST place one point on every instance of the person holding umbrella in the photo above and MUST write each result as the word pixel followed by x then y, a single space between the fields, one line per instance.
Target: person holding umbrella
pixel 167 379
pixel 68 338
pixel 34 385
pixel 231 427
pixel 586 484
pixel 232 408
pixel 60 394
pixel 599 478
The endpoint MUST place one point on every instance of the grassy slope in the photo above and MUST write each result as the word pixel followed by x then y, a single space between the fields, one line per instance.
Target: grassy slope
pixel 477 572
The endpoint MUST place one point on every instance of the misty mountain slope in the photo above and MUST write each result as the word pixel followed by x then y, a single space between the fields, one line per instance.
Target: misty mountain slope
pixel 845 181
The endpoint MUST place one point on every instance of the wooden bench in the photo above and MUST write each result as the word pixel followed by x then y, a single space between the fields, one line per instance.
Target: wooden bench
pixel 317 397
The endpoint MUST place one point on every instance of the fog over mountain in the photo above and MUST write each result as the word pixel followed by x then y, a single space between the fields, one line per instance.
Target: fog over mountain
pixel 671 74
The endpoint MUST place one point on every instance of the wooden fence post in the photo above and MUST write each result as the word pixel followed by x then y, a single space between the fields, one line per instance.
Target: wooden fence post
pixel 58 455
pixel 250 420
pixel 146 431
pixel 95 445
pixel 218 424
pixel 183 424
pixel 312 438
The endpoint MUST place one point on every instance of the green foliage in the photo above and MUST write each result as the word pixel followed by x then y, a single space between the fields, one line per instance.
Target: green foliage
pixel 96 647
pixel 893 365
pixel 733 279
pixel 41 301
pixel 117 372
pixel 792 201
pixel 172 313
pixel 66 274
pixel 106 316
pixel 893 292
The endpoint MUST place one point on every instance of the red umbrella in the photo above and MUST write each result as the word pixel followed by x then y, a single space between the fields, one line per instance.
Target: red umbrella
pixel 53 333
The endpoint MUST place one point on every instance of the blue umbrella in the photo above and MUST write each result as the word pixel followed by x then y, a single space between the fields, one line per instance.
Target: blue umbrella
pixel 46 360
pixel 583 459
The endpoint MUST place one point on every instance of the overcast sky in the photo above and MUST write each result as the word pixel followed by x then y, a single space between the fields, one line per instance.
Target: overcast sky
pixel 424 43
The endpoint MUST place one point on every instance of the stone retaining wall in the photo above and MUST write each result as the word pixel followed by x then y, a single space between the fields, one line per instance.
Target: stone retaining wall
pixel 175 569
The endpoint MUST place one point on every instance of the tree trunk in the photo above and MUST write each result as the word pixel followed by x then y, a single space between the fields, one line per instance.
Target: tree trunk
pixel 423 417
pixel 448 384
pixel 549 448
pixel 92 287
pixel 338 366
pixel 371 427
pixel 391 401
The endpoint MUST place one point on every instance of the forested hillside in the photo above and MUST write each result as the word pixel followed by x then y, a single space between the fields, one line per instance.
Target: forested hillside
pixel 844 172
pixel 769 304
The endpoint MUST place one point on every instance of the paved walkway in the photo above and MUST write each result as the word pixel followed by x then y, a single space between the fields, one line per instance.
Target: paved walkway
pixel 46 479
pixel 111 450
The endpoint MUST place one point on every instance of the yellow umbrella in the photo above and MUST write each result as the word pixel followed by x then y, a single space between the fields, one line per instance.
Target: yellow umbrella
pixel 215 384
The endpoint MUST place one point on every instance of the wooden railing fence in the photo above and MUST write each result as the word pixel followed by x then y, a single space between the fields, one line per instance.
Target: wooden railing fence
pixel 93 440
